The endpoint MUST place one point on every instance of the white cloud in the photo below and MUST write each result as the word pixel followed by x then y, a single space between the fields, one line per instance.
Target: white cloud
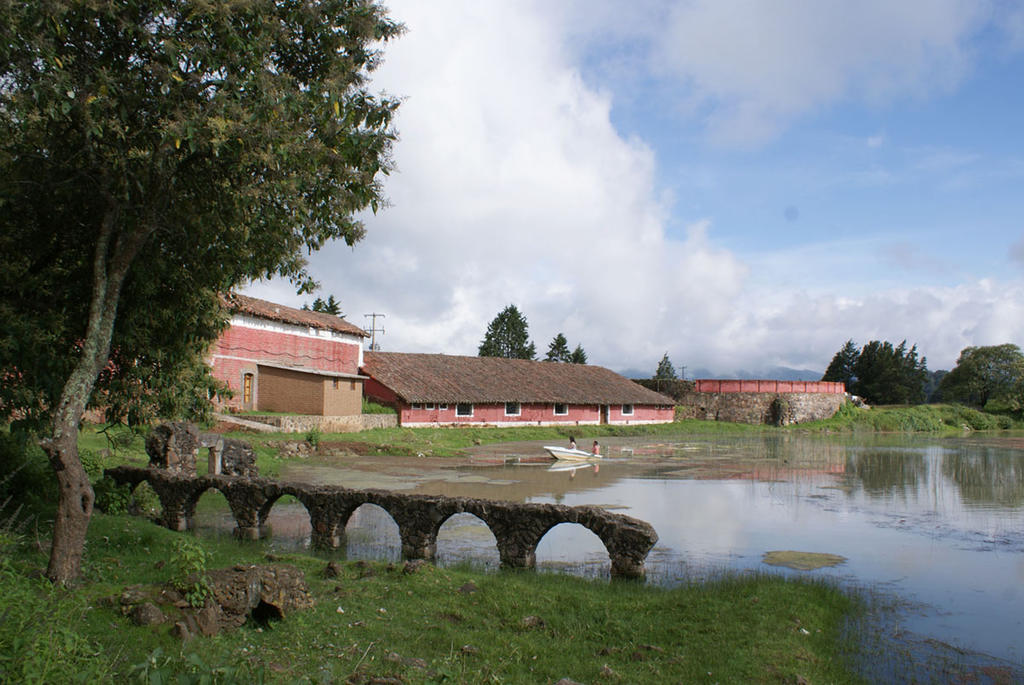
pixel 751 69
pixel 513 186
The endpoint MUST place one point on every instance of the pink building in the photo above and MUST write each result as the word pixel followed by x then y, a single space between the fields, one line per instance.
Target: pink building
pixel 282 359
pixel 438 389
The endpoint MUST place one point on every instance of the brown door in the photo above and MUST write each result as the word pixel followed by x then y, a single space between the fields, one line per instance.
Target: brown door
pixel 247 381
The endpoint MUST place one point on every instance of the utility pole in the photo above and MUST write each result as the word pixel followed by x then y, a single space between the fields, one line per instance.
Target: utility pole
pixel 374 329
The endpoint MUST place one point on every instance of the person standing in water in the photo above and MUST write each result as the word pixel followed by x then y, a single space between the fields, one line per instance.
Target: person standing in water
pixel 596 449
pixel 572 443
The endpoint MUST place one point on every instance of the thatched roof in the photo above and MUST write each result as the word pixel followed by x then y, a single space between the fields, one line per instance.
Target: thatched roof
pixel 486 380
pixel 243 304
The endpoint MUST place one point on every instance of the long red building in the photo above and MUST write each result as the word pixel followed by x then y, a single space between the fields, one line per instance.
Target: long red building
pixel 440 389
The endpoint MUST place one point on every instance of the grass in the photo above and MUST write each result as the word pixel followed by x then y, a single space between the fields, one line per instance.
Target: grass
pixel 452 625
pixel 937 418
pixel 374 621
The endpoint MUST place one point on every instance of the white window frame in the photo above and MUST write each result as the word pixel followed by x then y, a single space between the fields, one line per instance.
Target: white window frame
pixel 518 409
pixel 416 406
pixel 442 407
pixel 459 409
pixel 429 406
pixel 561 413
pixel 627 410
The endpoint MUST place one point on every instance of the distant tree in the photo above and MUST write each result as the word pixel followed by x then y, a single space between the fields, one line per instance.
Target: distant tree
pixel 154 155
pixel 665 370
pixel 889 375
pixel 840 369
pixel 558 350
pixel 981 374
pixel 578 356
pixel 328 306
pixel 508 336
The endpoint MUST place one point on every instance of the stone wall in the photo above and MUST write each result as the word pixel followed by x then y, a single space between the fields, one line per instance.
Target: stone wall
pixel 757 407
pixel 777 403
pixel 327 424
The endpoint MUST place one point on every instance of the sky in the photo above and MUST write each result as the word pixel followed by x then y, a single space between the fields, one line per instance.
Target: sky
pixel 740 185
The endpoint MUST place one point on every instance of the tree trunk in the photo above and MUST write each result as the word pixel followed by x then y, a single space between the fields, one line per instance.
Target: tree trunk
pixel 74 508
pixel 76 497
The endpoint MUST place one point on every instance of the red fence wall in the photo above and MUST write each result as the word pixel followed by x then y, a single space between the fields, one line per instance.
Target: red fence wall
pixel 721 386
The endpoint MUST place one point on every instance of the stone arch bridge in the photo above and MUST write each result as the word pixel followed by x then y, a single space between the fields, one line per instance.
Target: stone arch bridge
pixel 517 527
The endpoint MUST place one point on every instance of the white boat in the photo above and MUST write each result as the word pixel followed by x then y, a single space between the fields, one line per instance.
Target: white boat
pixel 567 454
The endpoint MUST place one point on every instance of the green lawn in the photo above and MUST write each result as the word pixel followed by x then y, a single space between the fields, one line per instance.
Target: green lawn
pixel 433 625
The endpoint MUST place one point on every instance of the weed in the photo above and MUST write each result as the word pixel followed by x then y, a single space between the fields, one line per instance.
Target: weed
pixel 160 668
pixel 190 562
pixel 313 437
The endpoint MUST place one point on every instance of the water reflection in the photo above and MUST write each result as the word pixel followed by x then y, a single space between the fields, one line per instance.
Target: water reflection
pixel 888 472
pixel 936 522
pixel 986 476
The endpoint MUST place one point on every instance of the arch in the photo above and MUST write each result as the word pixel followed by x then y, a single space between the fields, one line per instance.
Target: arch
pixel 371 532
pixel 208 512
pixel 288 523
pixel 465 536
pixel 517 527
pixel 573 540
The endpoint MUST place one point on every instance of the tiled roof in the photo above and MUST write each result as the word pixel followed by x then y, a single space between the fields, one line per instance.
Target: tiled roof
pixel 482 380
pixel 263 309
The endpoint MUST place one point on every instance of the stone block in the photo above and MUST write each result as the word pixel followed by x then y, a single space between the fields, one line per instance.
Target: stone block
pixel 174 446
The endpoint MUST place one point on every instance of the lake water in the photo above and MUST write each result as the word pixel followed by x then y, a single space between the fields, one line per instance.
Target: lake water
pixel 933 526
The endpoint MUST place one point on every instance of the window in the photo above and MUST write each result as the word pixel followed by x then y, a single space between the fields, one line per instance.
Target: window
pixel 429 405
pixel 512 409
pixel 561 409
pixel 337 384
pixel 417 405
pixel 627 410
pixel 463 409
pixel 442 407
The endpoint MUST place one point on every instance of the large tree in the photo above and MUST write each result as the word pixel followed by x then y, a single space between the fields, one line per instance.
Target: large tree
pixel 994 372
pixel 508 336
pixel 153 154
pixel 885 374
pixel 578 356
pixel 840 369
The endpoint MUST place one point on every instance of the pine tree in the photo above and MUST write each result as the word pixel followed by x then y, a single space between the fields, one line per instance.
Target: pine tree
pixel 578 356
pixel 328 306
pixel 840 369
pixel 889 375
pixel 507 336
pixel 665 372
pixel 558 350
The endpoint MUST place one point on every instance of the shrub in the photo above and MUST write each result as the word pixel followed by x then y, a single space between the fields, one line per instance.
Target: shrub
pixel 313 437
pixel 371 407
pixel 28 484
pixel 190 563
